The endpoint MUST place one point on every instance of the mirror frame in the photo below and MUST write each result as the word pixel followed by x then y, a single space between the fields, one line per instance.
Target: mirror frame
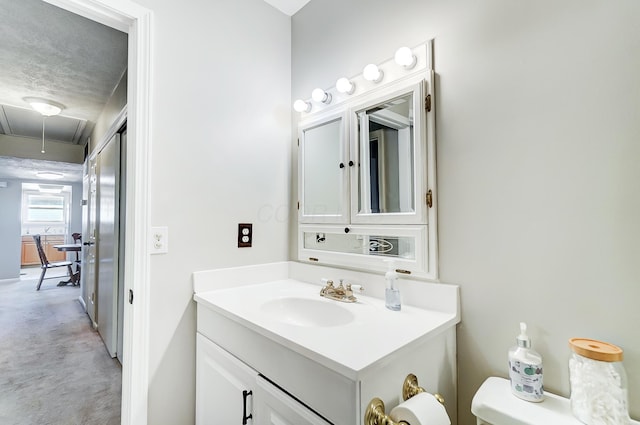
pixel 397 80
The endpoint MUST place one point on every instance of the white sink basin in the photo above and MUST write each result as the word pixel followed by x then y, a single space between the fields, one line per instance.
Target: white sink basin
pixel 307 312
pixel 342 336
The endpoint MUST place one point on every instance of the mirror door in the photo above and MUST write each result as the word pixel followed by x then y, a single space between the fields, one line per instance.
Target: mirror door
pixel 389 148
pixel 323 167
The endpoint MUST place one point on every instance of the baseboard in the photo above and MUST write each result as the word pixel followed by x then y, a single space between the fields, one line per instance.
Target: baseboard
pixel 84 306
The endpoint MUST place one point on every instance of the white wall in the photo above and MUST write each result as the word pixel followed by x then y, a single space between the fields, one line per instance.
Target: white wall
pixel 538 122
pixel 109 114
pixel 10 199
pixel 24 147
pixel 220 156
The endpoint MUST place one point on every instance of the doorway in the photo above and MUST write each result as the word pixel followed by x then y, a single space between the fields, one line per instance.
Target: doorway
pixel 136 21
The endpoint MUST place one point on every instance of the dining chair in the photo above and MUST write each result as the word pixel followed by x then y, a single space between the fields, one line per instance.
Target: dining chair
pixel 77 238
pixel 45 264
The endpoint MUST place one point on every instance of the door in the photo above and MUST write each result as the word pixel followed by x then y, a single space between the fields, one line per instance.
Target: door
pixel 122 226
pixel 108 166
pixel 224 386
pixel 89 232
pixel 275 407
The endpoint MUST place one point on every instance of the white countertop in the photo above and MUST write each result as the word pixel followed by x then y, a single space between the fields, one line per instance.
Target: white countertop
pixel 373 333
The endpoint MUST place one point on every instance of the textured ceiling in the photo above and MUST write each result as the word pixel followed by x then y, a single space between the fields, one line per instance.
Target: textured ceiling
pixel 26 169
pixel 50 53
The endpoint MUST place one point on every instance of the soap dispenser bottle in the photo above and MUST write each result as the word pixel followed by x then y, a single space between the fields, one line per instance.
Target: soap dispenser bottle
pixel 392 293
pixel 525 369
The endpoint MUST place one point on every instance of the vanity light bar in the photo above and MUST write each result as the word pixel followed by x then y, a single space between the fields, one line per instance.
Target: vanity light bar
pixel 406 61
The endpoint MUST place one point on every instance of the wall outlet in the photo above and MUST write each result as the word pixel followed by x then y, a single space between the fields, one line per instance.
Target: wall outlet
pixel 245 235
pixel 159 240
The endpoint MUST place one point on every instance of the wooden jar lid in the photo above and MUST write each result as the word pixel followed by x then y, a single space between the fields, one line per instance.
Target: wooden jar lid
pixel 596 350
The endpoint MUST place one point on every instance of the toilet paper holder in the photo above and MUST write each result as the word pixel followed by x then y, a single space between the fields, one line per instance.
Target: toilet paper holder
pixel 375 414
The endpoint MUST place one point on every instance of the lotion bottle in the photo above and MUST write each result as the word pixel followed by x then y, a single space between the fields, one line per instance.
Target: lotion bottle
pixel 525 369
pixel 392 293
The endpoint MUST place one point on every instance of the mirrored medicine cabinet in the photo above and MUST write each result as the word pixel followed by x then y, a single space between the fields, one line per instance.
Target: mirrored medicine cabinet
pixel 366 181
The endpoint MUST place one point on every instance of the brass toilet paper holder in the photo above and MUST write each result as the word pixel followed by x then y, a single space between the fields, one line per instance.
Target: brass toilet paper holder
pixel 375 414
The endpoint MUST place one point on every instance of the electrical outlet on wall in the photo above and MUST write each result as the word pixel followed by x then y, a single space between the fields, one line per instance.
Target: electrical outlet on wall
pixel 159 240
pixel 245 235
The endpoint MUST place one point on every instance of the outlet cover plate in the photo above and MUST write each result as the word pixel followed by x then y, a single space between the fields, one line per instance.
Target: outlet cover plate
pixel 245 235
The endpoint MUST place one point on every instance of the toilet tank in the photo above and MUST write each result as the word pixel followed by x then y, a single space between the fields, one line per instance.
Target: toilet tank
pixel 494 404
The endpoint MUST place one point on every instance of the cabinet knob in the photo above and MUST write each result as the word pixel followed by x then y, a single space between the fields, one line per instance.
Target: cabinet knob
pixel 341 165
pixel 347 230
pixel 350 163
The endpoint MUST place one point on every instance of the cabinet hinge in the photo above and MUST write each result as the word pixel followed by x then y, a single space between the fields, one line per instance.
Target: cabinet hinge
pixel 429 198
pixel 427 103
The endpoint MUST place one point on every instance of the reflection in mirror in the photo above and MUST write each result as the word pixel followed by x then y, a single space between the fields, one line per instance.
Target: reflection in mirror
pixel 386 146
pixel 389 246
pixel 322 155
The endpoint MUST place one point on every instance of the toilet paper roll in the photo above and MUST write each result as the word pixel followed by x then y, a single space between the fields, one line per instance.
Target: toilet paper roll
pixel 421 409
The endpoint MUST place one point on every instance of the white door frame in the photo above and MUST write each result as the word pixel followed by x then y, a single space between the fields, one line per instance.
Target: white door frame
pixel 135 20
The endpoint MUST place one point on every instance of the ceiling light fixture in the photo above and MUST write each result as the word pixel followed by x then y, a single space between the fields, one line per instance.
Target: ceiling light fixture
pixel 321 96
pixel 372 73
pixel 46 108
pixel 301 106
pixel 343 85
pixel 405 57
pixel 51 175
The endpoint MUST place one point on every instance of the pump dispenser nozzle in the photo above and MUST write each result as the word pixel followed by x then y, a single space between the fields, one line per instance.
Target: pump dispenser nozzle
pixel 523 339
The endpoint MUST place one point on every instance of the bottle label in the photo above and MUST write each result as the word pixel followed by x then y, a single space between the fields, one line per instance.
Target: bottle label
pixel 526 380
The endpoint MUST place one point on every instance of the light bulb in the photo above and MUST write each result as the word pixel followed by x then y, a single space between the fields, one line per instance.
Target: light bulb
pixel 343 85
pixel 301 106
pixel 372 73
pixel 404 57
pixel 320 95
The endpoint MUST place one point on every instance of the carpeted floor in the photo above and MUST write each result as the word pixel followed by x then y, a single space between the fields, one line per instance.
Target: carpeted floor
pixel 54 369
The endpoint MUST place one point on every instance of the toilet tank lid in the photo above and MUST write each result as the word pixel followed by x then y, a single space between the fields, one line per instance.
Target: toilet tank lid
pixel 494 403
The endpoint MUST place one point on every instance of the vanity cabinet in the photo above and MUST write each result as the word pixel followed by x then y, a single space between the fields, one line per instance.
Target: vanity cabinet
pixel 290 383
pixel 230 392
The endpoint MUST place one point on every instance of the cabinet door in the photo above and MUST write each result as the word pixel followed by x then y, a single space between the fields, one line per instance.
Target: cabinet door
pixel 29 253
pixel 52 253
pixel 324 171
pixel 275 407
pixel 388 138
pixel 224 386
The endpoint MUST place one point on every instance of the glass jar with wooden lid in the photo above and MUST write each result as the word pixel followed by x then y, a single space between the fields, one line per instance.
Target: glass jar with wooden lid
pixel 598 382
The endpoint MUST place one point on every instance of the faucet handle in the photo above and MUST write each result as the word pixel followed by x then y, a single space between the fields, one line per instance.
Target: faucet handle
pixel 327 282
pixel 351 287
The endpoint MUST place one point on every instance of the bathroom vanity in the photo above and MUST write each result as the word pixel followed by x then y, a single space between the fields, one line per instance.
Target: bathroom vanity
pixel 270 350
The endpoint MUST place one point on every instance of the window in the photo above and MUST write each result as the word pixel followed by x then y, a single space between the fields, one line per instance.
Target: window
pixel 45 208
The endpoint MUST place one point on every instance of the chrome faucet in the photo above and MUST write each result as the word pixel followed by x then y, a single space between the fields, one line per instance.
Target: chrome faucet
pixel 340 293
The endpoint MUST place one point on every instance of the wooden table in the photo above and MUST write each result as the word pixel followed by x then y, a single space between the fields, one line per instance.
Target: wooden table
pixel 74 279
